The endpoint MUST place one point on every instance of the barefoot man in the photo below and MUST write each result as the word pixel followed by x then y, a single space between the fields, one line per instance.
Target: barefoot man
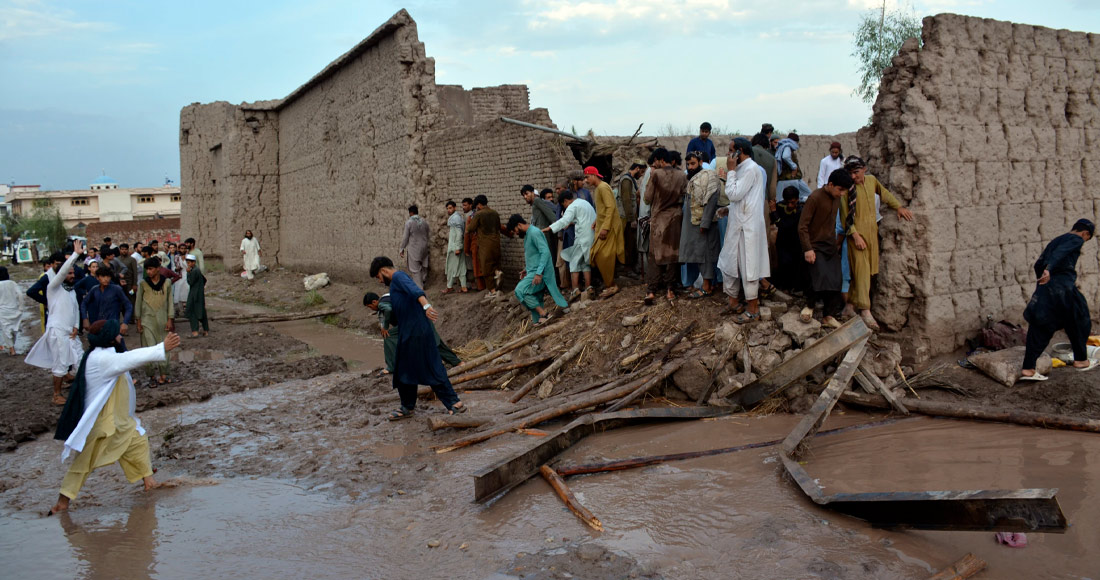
pixel 98 421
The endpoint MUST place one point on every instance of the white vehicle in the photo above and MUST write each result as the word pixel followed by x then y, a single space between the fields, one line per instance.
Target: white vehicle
pixel 24 253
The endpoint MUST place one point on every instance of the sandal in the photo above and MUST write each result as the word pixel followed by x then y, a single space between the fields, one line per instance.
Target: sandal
pixel 1034 377
pixel 401 413
pixel 649 300
pixel 806 315
pixel 746 317
pixel 696 294
pixel 458 409
pixel 609 292
pixel 1093 363
pixel 768 293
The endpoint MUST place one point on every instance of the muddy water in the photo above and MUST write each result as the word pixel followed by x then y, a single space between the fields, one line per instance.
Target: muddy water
pixel 716 517
pixel 359 350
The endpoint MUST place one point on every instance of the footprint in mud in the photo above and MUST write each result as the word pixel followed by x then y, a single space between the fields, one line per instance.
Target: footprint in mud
pixel 185 481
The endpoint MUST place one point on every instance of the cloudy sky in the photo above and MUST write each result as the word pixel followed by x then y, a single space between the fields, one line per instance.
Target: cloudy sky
pixel 92 87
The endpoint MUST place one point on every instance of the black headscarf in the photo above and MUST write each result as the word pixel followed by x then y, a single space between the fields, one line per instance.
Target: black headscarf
pixel 102 334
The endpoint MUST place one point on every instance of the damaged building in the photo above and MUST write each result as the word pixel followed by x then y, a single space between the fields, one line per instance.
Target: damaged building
pixel 988 132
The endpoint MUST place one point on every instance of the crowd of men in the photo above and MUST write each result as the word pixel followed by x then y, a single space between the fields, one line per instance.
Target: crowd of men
pixel 80 286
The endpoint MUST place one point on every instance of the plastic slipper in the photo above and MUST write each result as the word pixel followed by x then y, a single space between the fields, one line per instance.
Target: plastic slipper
pixel 1012 539
pixel 1093 363
pixel 401 413
pixel 456 410
pixel 806 315
pixel 1034 377
pixel 966 364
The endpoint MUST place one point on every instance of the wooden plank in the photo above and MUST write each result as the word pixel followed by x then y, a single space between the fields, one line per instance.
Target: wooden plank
pixel 505 474
pixel 801 364
pixel 542 376
pixel 962 569
pixel 812 421
pixel 959 411
pixel 866 377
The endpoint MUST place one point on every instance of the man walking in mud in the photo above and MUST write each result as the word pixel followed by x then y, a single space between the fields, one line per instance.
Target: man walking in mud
pixel 1057 304
pixel 387 325
pixel 417 361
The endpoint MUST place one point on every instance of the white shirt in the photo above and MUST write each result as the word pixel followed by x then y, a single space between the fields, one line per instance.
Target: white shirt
pixel 64 310
pixel 828 166
pixel 581 213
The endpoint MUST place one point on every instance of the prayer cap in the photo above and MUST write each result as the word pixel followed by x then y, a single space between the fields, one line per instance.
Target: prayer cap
pixel 1084 225
pixel 190 257
pixel 576 174
pixel 592 171
pixel 103 333
pixel 835 145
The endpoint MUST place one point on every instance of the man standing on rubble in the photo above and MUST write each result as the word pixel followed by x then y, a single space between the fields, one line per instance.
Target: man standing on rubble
pixel 744 259
pixel 627 185
pixel 538 271
pixel 700 243
pixel 830 163
pixel 608 246
pixel 663 192
pixel 1057 304
pixel 857 217
pixel 417 359
pixel 579 213
pixel 414 246
pixel 486 224
pixel 455 263
pixel 817 234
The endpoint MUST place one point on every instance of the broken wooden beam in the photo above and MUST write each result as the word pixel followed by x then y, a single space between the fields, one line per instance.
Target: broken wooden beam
pixel 634 462
pixel 871 383
pixel 962 569
pixel 500 369
pixel 667 350
pixel 665 372
pixel 506 348
pixel 570 500
pixel 813 419
pixel 996 414
pixel 505 474
pixel 437 422
pixel 274 316
pixel 554 366
pixel 712 383
pixel 801 364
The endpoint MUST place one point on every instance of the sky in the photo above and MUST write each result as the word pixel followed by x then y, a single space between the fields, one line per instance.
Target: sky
pixel 90 88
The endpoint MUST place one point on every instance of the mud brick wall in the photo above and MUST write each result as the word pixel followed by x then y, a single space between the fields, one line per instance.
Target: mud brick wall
pixel 229 178
pixel 167 229
pixel 494 159
pixel 481 104
pixel 991 135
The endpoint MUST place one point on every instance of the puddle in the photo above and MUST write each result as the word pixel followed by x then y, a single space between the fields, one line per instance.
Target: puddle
pixel 360 351
pixel 198 354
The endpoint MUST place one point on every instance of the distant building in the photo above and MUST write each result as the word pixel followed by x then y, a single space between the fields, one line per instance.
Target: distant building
pixel 103 201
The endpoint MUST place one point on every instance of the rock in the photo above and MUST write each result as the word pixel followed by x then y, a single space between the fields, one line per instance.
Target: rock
pixel 315 281
pixel 433 543
pixel 802 404
pixel 635 320
pixel 1004 366
pixel 794 391
pixel 684 345
pixel 729 332
pixel 627 341
pixel 778 308
pixel 590 552
pixel 884 358
pixel 789 354
pixel 779 343
pixel 798 330
pixel 692 378
pixel 761 333
pixel 763 359
pixel 765 313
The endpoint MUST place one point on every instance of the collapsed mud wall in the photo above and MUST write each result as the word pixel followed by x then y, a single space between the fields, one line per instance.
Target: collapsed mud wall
pixel 495 159
pixel 162 230
pixel 990 133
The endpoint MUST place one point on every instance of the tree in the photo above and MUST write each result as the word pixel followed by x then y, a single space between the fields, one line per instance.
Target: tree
pixel 878 38
pixel 44 223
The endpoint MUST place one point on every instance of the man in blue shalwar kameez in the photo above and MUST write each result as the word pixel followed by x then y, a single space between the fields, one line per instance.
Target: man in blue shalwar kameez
pixel 417 361
pixel 1057 304
pixel 539 268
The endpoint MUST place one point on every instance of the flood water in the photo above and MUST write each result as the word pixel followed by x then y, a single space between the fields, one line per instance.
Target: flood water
pixel 728 516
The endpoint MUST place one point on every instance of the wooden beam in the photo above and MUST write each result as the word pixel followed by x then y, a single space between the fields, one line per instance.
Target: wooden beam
pixel 871 383
pixel 964 568
pixel 999 415
pixel 570 500
pixel 812 421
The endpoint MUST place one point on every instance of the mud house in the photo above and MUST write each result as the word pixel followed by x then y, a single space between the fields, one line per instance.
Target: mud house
pixel 989 133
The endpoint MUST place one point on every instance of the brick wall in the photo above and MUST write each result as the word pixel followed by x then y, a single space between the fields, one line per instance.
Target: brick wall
pixel 494 159
pixel 991 134
pixel 162 230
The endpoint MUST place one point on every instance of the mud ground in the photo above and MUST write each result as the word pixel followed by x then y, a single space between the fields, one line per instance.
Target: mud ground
pixel 253 412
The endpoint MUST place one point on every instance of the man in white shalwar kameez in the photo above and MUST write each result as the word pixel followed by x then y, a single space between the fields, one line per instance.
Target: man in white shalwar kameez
pixel 59 348
pixel 580 212
pixel 744 260
pixel 98 422
pixel 250 250
pixel 11 311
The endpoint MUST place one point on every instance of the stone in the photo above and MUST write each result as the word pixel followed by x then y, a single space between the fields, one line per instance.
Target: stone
pixel 684 345
pixel 433 543
pixel 590 552
pixel 780 343
pixel 634 320
pixel 764 359
pixel 789 354
pixel 315 281
pixel 729 332
pixel 802 404
pixel 800 331
pixel 627 341
pixel 765 313
pixel 760 333
pixel 884 358
pixel 777 308
pixel 1004 366
pixel 692 378
pixel 794 391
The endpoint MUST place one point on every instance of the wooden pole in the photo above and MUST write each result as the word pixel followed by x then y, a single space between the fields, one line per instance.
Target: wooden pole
pixel 964 568
pixel 554 366
pixel 502 368
pixel 667 350
pixel 957 411
pixel 633 358
pixel 273 316
pixel 506 348
pixel 866 377
pixel 437 422
pixel 713 382
pixel 570 500
pixel 666 370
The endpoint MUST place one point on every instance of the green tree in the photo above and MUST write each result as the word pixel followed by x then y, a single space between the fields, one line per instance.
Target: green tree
pixel 878 38
pixel 44 223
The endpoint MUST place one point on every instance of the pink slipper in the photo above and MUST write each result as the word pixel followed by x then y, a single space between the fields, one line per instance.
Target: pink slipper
pixel 1012 539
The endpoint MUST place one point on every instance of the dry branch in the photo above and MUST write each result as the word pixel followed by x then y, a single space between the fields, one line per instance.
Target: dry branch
pixel 570 500
pixel 966 567
pixel 665 372
pixel 506 348
pixel 557 364
pixel 502 368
